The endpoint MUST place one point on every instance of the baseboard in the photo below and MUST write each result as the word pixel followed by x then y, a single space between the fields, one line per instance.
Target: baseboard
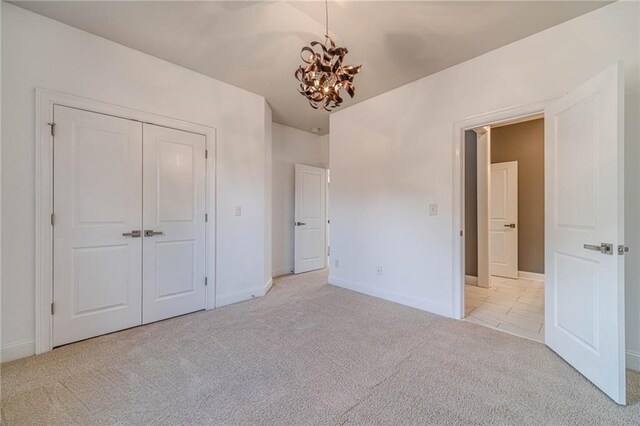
pixel 531 276
pixel 633 360
pixel 428 305
pixel 241 296
pixel 283 270
pixel 17 350
pixel 470 279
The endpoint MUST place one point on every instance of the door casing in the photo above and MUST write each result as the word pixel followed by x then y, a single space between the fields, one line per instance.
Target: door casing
pixel 45 101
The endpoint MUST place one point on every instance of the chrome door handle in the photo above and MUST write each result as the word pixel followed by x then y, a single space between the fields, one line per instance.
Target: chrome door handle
pixel 151 233
pixel 300 223
pixel 510 225
pixel 133 234
pixel 604 248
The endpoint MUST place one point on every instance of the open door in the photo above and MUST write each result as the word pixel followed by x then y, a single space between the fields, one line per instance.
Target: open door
pixel 310 213
pixel 584 298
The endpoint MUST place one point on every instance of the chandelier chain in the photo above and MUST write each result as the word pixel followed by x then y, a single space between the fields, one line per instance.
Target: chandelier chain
pixel 326 17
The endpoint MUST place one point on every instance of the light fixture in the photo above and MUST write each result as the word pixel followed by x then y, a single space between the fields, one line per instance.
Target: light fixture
pixel 323 75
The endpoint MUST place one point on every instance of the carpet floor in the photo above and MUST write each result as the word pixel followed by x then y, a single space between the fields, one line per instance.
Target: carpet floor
pixel 307 353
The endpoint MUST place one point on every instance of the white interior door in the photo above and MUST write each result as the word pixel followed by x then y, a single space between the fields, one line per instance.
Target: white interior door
pixel 504 219
pixel 483 176
pixel 97 187
pixel 584 295
pixel 174 223
pixel 310 226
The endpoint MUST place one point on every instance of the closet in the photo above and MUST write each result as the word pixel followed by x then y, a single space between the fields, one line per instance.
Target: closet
pixel 129 223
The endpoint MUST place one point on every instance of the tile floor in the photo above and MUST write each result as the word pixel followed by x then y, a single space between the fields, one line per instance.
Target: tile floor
pixel 513 306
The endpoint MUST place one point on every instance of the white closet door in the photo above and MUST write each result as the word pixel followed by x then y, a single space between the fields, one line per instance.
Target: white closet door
pixel 97 188
pixel 174 223
pixel 504 220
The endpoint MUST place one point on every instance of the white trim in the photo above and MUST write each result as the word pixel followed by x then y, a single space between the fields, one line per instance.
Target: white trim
pixel 423 304
pixel 633 360
pixel 471 280
pixel 17 350
pixel 241 296
pixel 283 270
pixel 459 127
pixel 534 276
pixel 45 101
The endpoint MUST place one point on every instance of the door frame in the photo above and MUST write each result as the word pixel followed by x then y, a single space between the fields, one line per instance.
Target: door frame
pixel 501 116
pixel 44 102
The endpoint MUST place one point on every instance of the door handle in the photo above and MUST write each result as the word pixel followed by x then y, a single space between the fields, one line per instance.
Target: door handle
pixel 133 234
pixel 300 223
pixel 604 248
pixel 510 225
pixel 151 233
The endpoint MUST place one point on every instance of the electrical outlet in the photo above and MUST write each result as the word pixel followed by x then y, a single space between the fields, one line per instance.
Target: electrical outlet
pixel 336 263
pixel 238 210
pixel 433 209
pixel 379 271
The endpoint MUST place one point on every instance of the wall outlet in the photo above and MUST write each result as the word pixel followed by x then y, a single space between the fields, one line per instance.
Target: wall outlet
pixel 238 210
pixel 379 271
pixel 433 209
pixel 336 263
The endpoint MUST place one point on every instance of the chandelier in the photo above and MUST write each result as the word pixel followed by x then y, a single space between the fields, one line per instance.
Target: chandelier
pixel 323 75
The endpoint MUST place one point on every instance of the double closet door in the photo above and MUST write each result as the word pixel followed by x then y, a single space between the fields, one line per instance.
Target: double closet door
pixel 129 224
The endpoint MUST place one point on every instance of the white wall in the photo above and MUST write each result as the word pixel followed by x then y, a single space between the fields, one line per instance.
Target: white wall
pixel 393 155
pixel 290 146
pixel 39 52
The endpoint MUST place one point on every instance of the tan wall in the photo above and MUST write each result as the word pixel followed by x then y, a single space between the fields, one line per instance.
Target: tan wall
pixel 524 143
pixel 471 203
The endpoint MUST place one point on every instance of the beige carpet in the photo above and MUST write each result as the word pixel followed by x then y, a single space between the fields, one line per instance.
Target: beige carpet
pixel 307 353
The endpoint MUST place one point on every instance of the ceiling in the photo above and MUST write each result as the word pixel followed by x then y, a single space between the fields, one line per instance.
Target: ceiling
pixel 256 45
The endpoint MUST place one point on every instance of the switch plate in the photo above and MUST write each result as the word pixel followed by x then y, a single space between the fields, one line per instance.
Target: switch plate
pixel 379 271
pixel 238 211
pixel 433 209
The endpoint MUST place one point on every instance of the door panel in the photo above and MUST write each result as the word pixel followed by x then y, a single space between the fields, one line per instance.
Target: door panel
pixel 584 296
pixel 97 187
pixel 174 205
pixel 504 219
pixel 310 214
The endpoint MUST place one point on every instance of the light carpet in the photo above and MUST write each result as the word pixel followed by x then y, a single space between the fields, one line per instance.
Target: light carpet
pixel 307 353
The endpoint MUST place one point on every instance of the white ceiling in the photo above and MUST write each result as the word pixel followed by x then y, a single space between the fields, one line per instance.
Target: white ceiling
pixel 256 45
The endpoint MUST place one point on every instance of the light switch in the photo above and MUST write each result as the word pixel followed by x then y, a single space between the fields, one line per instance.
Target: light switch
pixel 433 209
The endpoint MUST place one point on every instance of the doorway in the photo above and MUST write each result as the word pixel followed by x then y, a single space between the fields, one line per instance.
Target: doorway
pixel 504 222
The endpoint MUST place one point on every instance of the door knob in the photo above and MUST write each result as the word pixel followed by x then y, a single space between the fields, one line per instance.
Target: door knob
pixel 604 248
pixel 510 225
pixel 300 223
pixel 151 233
pixel 133 234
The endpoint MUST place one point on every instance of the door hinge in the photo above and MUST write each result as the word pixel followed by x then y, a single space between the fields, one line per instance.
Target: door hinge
pixel 53 127
pixel 622 249
pixel 53 219
pixel 52 308
pixel 461 233
pixel 206 153
pixel 206 217
pixel 206 281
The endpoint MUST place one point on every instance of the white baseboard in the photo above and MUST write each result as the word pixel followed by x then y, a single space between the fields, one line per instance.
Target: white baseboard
pixel 470 279
pixel 241 296
pixel 428 305
pixel 534 276
pixel 17 350
pixel 283 270
pixel 633 360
